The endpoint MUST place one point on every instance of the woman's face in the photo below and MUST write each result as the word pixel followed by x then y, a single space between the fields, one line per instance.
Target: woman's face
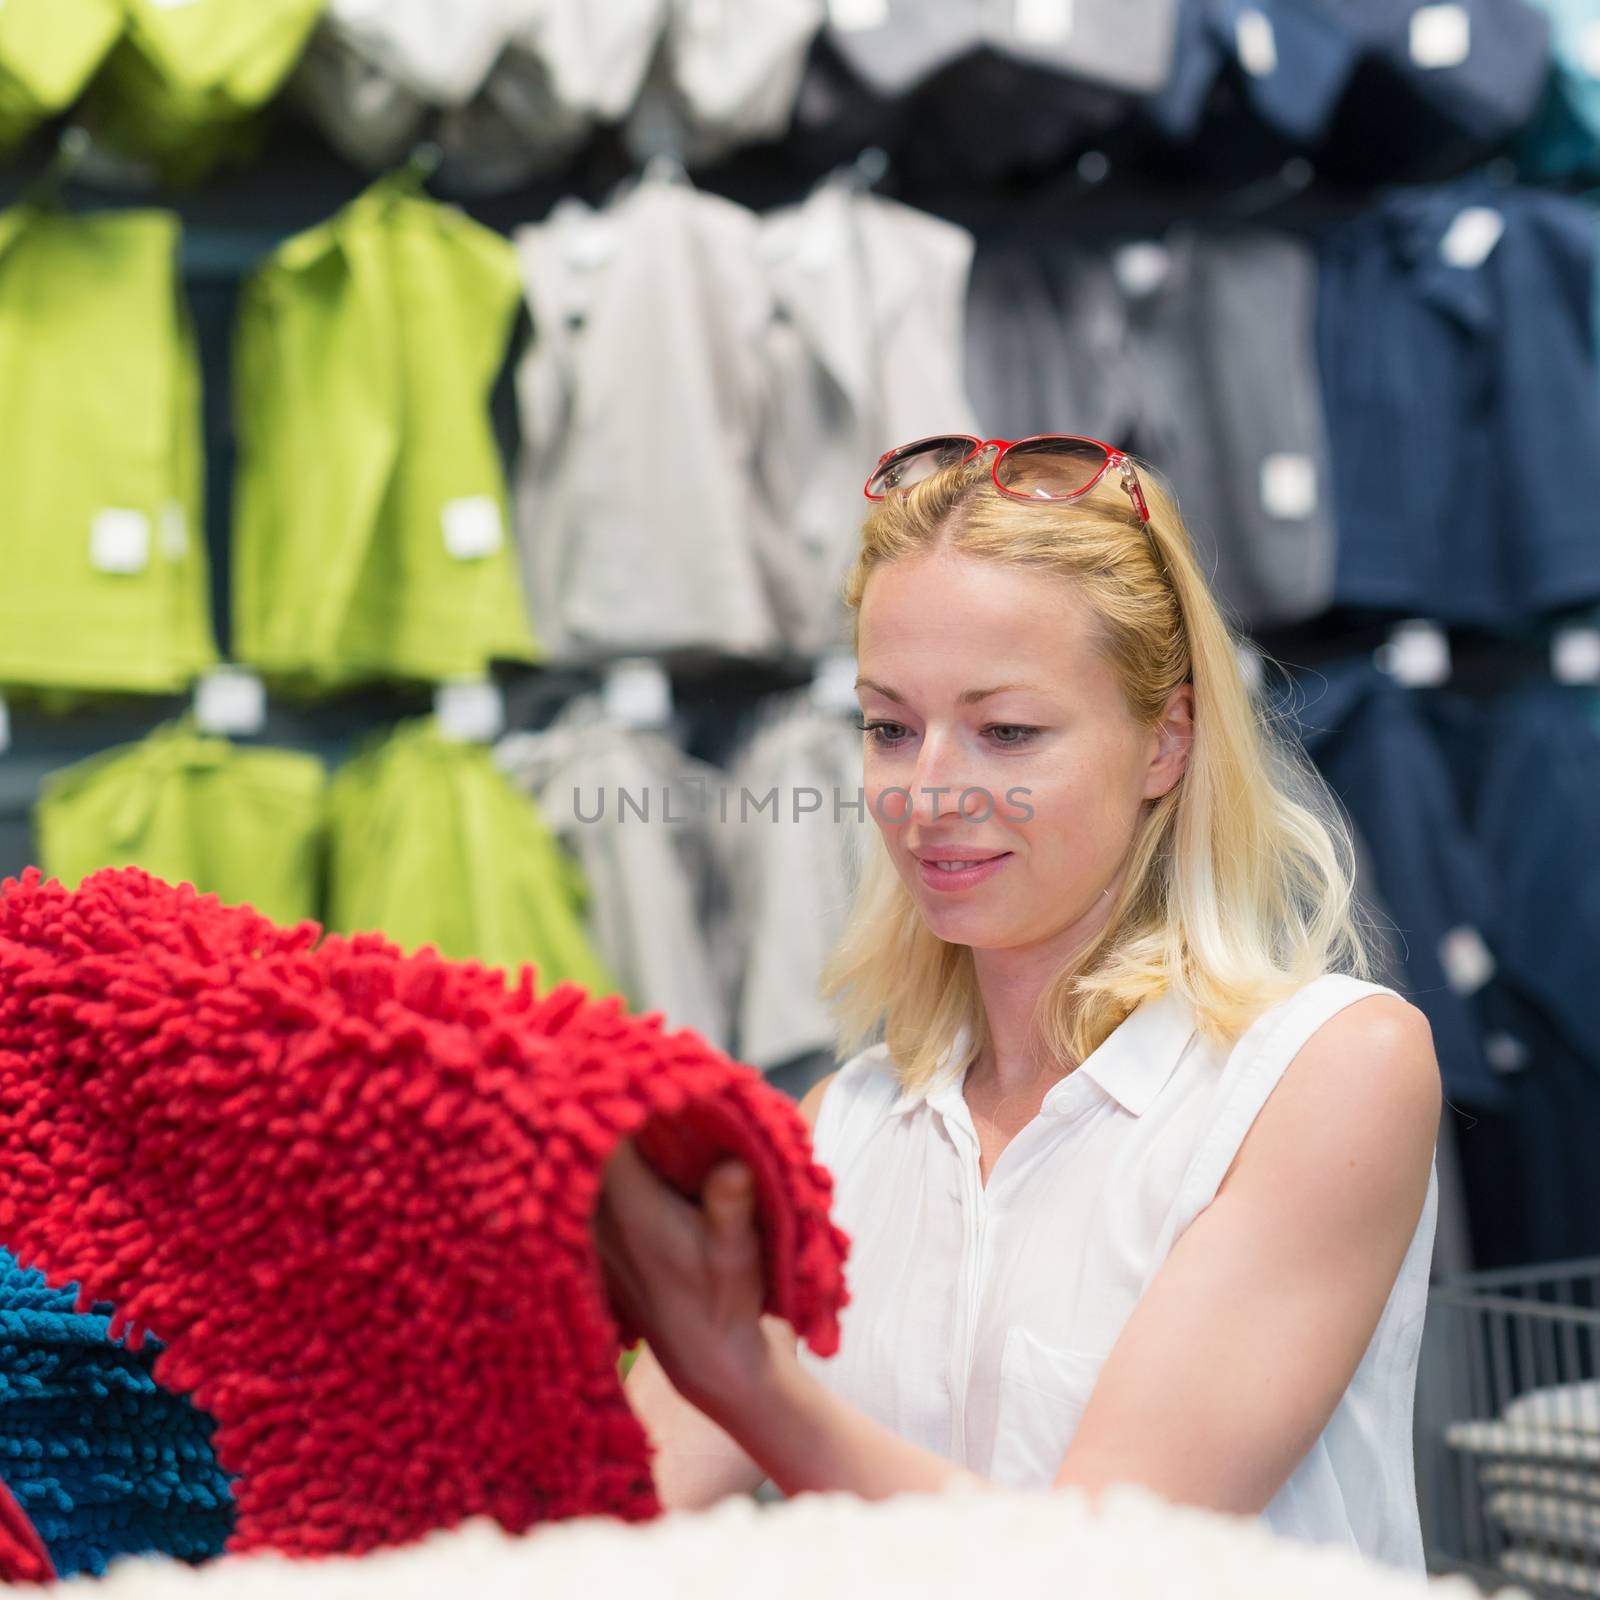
pixel 983 678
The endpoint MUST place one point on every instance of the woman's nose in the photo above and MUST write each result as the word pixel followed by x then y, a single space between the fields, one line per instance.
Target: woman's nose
pixel 942 778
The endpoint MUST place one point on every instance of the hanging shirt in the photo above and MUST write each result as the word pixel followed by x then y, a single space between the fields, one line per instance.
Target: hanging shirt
pixel 370 503
pixel 1197 352
pixel 865 350
pixel 49 49
pixel 642 397
pixel 106 580
pixel 980 1314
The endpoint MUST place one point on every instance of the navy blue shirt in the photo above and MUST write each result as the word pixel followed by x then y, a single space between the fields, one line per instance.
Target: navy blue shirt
pixel 1464 407
pixel 1368 739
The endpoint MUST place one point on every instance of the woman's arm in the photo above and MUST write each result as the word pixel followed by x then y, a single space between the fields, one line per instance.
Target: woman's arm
pixel 1231 1362
pixel 1235 1357
pixel 696 1462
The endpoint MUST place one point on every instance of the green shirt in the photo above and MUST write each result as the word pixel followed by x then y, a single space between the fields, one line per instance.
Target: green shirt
pixel 106 584
pixel 371 505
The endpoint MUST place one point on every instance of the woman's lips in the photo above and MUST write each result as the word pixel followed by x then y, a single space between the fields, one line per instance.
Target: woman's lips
pixel 948 881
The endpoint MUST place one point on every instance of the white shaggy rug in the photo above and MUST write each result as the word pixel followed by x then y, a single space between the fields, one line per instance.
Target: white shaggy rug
pixel 971 1541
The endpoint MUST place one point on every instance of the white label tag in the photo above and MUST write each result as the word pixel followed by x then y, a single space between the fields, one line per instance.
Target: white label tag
pixel 470 709
pixel 1471 236
pixel 1467 961
pixel 1417 654
pixel 589 241
pixel 1575 655
pixel 1505 1052
pixel 230 700
pixel 473 527
pixel 1288 485
pixel 854 16
pixel 174 531
pixel 1441 36
pixel 1042 21
pixel 119 540
pixel 1589 48
pixel 1256 44
pixel 5 713
pixel 637 693
pixel 833 686
pixel 1142 267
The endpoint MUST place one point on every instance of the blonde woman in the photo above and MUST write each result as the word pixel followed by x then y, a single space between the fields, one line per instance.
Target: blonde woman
pixel 1139 1180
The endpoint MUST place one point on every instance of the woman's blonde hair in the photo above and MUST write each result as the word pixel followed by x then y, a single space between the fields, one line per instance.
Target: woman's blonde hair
pixel 1241 878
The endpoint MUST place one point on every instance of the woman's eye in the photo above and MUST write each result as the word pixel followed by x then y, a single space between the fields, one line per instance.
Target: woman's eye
pixel 877 730
pixel 1020 733
pixel 1008 735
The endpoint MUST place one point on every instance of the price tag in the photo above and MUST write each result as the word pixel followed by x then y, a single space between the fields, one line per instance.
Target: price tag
pixel 1441 36
pixel 1141 267
pixel 473 527
pixel 1288 485
pixel 230 700
pixel 833 686
pixel 637 693
pixel 1505 1052
pixel 1256 43
pixel 1575 655
pixel 472 710
pixel 591 243
pixel 5 713
pixel 1473 233
pixel 1042 21
pixel 119 540
pixel 1417 654
pixel 1467 961
pixel 856 16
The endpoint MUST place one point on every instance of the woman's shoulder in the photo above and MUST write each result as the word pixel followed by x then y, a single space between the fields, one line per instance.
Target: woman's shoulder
pixel 1280 1028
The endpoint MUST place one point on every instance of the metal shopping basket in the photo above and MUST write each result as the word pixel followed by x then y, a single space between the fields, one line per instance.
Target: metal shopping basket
pixel 1508 1428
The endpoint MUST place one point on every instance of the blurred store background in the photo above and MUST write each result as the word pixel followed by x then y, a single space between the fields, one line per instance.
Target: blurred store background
pixel 420 420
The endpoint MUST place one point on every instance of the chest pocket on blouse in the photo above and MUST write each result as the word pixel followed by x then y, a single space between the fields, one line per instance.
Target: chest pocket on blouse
pixel 1042 1395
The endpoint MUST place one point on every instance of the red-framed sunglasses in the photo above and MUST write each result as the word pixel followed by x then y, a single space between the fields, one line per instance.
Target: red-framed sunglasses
pixel 1048 466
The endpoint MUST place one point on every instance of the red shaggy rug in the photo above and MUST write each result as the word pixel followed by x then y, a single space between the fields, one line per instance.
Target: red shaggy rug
pixel 351 1191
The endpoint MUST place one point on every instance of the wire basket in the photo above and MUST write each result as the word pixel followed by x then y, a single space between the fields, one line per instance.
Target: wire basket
pixel 1508 1428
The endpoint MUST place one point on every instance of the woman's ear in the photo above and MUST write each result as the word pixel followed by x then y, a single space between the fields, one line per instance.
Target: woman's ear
pixel 1174 736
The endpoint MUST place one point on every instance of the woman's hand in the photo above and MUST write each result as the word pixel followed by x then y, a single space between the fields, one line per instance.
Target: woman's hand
pixel 688 1275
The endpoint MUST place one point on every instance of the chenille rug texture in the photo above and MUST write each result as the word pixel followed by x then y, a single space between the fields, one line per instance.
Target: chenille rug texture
pixel 350 1192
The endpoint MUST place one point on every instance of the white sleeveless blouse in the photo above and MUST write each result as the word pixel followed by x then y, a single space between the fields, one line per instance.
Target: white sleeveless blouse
pixel 980 1315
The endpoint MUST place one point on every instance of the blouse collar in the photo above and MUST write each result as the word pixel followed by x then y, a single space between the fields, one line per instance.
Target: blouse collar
pixel 1131 1064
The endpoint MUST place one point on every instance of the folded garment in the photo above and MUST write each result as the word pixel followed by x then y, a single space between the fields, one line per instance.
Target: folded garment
pixel 102 1459
pixel 1551 1519
pixel 1538 1566
pixel 1523 1440
pixel 1558 1405
pixel 1553 1480
pixel 352 1191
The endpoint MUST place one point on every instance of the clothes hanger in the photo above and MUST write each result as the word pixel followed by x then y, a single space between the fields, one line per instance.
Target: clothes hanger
pixel 1294 177
pixel 44 193
pixel 424 161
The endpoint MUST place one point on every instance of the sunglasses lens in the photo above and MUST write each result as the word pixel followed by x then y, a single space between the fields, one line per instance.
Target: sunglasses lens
pixel 922 460
pixel 1051 469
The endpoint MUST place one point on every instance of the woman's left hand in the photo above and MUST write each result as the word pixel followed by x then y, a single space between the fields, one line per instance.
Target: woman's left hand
pixel 689 1276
